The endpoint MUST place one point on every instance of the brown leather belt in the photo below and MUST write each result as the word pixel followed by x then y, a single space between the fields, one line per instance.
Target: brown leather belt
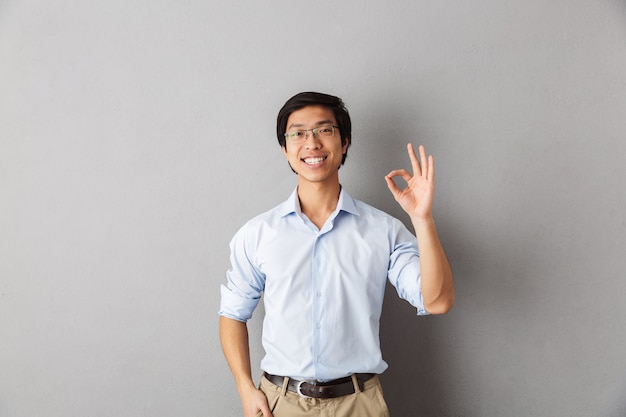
pixel 315 389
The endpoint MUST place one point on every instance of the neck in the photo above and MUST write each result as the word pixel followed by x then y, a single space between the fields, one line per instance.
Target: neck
pixel 318 201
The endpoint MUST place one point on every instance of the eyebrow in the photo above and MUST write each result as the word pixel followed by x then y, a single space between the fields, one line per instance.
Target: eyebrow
pixel 320 123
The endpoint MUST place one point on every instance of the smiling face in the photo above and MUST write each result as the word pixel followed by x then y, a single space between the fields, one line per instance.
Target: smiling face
pixel 318 158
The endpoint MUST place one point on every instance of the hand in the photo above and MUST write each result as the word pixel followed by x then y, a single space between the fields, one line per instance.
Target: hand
pixel 417 198
pixel 255 404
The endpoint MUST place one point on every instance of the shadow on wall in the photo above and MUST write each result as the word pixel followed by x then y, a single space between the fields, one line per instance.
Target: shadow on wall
pixel 614 403
pixel 415 382
pixel 419 355
pixel 453 364
pixel 422 375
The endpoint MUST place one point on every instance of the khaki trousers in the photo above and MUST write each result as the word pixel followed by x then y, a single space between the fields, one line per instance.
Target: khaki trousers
pixel 367 403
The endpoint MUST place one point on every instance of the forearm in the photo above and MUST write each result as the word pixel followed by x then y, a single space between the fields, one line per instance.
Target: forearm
pixel 437 282
pixel 234 338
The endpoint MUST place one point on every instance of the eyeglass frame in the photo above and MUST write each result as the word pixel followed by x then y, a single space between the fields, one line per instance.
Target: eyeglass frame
pixel 315 132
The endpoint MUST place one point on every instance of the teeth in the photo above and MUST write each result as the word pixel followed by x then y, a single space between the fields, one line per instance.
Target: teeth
pixel 313 161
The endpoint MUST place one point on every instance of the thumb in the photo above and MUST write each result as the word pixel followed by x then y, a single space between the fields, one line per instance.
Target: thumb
pixel 392 186
pixel 264 412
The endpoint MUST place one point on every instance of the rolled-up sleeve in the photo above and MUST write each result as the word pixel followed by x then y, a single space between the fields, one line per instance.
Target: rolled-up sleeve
pixel 245 283
pixel 404 267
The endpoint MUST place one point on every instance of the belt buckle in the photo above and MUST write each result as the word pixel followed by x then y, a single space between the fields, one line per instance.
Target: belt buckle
pixel 299 388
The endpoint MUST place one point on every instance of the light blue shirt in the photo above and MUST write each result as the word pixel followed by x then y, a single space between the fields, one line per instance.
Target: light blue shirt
pixel 322 289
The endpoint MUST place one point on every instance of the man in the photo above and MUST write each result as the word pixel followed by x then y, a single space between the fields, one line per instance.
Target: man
pixel 322 259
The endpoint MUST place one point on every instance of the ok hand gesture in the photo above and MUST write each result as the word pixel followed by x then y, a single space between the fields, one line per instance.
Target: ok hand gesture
pixel 417 198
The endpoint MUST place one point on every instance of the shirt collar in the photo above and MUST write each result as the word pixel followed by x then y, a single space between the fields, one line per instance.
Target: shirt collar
pixel 292 204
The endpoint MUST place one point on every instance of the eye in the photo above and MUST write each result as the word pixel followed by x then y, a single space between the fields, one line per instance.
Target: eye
pixel 326 130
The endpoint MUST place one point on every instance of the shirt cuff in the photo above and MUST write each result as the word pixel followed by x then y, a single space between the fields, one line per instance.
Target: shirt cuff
pixel 235 306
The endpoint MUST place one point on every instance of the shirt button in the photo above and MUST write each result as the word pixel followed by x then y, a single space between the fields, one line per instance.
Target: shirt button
pixel 318 326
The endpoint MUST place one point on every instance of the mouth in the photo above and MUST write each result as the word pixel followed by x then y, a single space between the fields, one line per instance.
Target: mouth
pixel 314 161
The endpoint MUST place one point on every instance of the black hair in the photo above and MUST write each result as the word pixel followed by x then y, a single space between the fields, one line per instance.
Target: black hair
pixel 310 98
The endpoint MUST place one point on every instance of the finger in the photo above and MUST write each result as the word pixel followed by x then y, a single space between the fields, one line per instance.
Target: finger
pixel 395 191
pixel 265 412
pixel 265 408
pixel 424 161
pixel 431 168
pixel 403 173
pixel 415 163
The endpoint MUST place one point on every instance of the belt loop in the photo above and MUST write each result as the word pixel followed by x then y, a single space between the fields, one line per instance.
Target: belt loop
pixel 283 390
pixel 355 382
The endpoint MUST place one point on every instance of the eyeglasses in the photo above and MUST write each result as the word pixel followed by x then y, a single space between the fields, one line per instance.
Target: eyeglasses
pixel 299 136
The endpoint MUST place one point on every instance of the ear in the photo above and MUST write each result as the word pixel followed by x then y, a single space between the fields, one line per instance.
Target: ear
pixel 344 148
pixel 284 149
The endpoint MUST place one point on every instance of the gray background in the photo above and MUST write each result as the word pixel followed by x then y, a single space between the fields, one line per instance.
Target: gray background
pixel 137 136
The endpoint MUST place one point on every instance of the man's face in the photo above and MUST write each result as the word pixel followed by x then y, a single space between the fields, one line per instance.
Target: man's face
pixel 318 157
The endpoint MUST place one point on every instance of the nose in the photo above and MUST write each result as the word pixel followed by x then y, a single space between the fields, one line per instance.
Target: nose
pixel 311 144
